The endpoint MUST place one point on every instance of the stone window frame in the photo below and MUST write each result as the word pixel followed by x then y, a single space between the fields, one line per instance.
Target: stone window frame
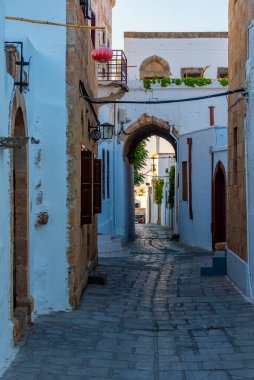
pixel 165 66
pixel 194 72
pixel 222 72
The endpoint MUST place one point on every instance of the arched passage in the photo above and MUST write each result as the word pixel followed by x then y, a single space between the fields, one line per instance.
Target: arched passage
pixel 146 126
pixel 20 274
pixel 219 204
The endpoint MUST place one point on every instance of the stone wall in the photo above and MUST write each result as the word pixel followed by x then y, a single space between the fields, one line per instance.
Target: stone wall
pixel 240 13
pixel 82 240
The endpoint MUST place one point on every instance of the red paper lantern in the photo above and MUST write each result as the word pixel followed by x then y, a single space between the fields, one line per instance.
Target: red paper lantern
pixel 102 54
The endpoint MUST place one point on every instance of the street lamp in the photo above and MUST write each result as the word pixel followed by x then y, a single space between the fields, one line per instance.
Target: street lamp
pixel 107 131
pixel 94 132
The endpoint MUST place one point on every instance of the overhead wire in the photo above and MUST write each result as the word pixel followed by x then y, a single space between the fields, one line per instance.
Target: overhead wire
pixel 148 102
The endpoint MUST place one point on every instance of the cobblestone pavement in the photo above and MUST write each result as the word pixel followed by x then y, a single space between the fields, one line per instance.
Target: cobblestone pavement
pixel 156 319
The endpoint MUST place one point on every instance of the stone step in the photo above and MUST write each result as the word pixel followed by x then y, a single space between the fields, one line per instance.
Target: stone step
pixel 218 267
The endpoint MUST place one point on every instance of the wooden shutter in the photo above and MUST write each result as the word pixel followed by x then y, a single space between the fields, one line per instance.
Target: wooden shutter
pixel 97 186
pixel 86 187
pixel 184 181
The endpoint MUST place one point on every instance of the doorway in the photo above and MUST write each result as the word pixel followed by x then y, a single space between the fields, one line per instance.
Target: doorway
pixel 219 205
pixel 20 276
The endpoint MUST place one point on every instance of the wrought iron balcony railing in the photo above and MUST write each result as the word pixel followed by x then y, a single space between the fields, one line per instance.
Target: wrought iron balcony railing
pixel 116 70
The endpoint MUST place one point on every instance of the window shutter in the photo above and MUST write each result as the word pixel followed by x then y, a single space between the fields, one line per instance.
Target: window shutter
pixel 86 187
pixel 97 186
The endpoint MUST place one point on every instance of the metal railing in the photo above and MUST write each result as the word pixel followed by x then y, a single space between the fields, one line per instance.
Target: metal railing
pixel 116 70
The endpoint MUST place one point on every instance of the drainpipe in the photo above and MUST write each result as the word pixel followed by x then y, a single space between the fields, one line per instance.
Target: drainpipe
pixel 211 108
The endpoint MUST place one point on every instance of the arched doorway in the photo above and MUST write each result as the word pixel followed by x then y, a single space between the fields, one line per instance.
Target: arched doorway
pixel 22 305
pixel 219 204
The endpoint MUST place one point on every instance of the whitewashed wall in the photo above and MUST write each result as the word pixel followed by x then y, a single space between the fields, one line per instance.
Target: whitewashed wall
pixel 179 53
pixel 197 232
pixel 5 323
pixel 46 121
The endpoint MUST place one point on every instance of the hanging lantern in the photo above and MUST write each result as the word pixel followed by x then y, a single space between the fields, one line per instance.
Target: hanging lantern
pixel 102 54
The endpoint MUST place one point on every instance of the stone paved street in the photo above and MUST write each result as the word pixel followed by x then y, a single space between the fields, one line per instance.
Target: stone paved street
pixel 156 319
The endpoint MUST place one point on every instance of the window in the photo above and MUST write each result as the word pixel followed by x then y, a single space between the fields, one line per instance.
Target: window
pixel 154 67
pixel 108 175
pixel 235 138
pixel 193 72
pixel 103 174
pixel 93 32
pixel 87 9
pixel 222 72
pixel 184 181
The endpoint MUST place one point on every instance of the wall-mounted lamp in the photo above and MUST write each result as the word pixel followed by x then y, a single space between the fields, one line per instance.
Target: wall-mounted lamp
pixel 107 131
pixel 103 131
pixel 94 132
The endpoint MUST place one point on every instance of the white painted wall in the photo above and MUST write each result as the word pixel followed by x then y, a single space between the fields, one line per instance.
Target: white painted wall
pixel 46 121
pixel 178 52
pixel 5 323
pixel 197 232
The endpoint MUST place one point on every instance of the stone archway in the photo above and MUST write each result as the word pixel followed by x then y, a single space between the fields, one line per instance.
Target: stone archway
pixel 154 67
pixel 147 126
pixel 21 300
pixel 219 204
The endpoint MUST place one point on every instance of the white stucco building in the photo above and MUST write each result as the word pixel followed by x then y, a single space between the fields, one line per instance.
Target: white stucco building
pixel 159 55
pixel 202 163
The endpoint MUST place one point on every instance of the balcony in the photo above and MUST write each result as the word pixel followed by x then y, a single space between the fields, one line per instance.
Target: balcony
pixel 115 71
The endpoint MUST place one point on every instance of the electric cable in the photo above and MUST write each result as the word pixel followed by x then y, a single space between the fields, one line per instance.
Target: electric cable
pixel 145 102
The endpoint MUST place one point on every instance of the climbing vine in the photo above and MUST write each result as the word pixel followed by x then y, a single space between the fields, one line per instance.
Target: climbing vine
pixel 188 81
pixel 140 157
pixel 171 194
pixel 158 190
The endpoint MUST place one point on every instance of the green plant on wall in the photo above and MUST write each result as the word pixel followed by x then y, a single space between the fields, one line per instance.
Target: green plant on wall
pixel 158 190
pixel 140 157
pixel 171 194
pixel 188 82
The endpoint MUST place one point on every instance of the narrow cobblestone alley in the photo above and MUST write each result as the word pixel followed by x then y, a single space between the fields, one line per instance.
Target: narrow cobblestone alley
pixel 156 319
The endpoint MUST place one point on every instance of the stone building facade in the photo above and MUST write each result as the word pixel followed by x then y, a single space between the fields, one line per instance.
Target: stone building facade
pixel 49 192
pixel 240 252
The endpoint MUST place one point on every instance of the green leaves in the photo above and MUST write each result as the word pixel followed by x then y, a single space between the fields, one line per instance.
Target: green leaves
pixel 188 82
pixel 140 156
pixel 158 190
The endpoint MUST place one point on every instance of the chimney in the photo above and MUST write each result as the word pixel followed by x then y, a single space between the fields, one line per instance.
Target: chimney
pixel 211 115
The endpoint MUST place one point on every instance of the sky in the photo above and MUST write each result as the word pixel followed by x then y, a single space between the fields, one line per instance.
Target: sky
pixel 168 16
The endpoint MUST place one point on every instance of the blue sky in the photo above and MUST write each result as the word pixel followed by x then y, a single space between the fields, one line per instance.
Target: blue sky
pixel 168 16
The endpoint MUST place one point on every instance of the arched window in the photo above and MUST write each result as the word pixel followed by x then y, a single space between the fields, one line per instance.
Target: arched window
pixel 154 67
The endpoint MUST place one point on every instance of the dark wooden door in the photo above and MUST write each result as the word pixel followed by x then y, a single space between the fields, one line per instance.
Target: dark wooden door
pixel 219 207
